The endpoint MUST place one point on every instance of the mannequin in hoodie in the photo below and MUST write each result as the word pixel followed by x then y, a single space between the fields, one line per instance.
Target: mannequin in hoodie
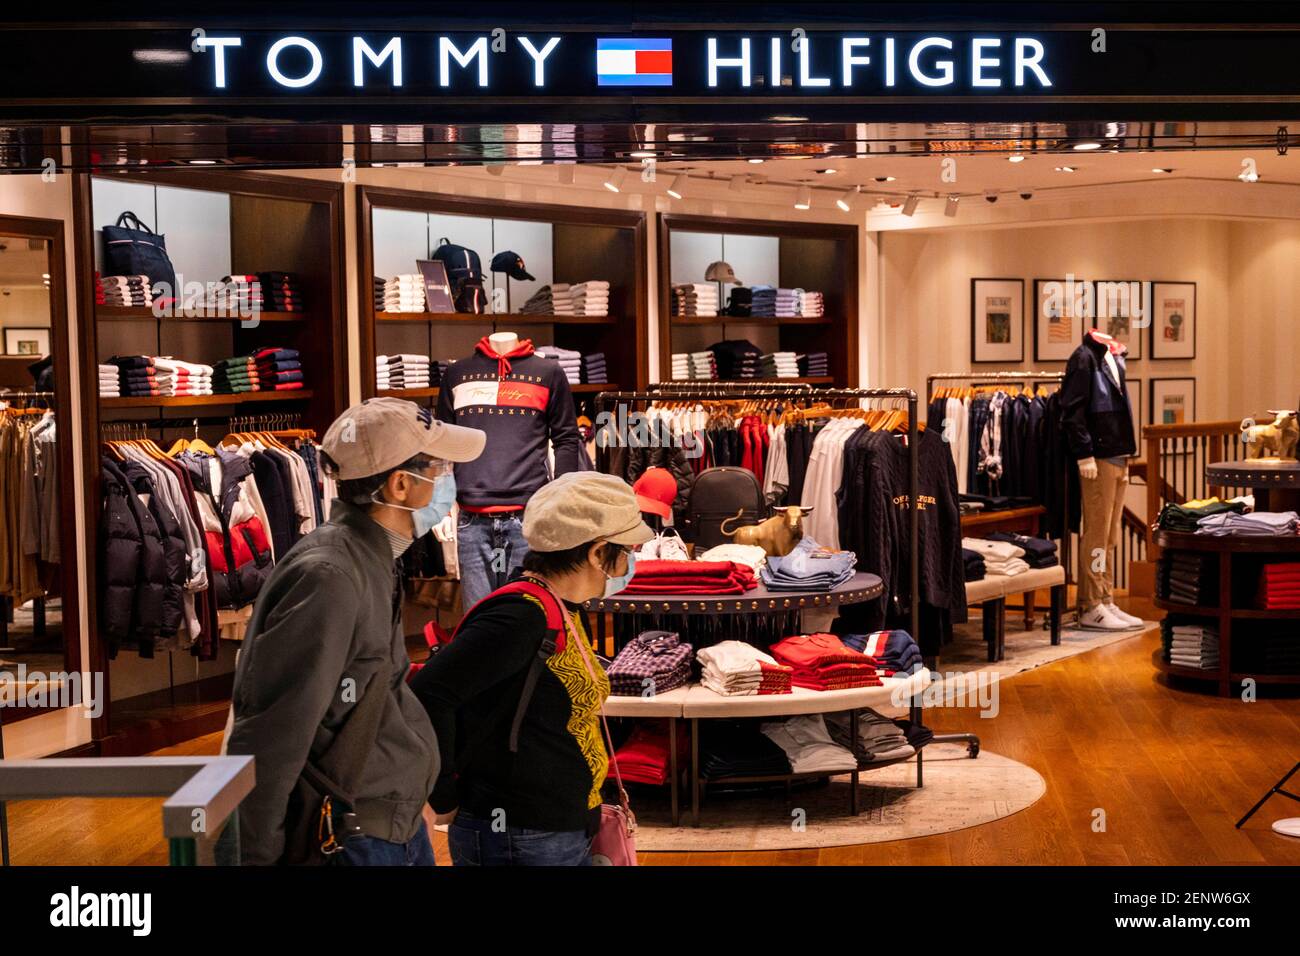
pixel 1098 424
pixel 524 404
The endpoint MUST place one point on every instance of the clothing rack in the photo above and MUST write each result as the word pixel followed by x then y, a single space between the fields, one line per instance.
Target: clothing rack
pixel 730 390
pixel 38 604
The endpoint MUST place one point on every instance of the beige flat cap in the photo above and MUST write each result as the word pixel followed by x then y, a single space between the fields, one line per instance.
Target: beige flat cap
pixel 581 507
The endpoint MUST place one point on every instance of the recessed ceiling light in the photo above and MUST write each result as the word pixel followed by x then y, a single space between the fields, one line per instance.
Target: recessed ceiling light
pixel 643 154
pixel 1086 146
pixel 1066 169
pixel 1157 169
pixel 803 198
pixel 885 179
pixel 678 186
pixel 203 162
pixel 1017 158
pixel 755 160
pixel 614 181
pixel 828 171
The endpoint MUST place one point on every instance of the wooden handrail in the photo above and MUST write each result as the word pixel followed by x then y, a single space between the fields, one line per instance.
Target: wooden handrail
pixel 1192 430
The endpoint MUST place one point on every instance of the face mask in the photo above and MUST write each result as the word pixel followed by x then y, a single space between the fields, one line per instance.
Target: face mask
pixel 613 585
pixel 424 519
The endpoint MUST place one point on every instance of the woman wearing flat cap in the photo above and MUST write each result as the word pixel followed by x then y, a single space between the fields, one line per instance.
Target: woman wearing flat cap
pixel 515 698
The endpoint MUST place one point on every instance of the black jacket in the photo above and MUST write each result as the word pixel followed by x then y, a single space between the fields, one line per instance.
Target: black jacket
pixel 132 570
pixel 175 553
pixel 1096 414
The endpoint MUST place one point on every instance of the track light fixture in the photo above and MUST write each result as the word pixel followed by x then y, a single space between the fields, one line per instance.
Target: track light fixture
pixel 614 181
pixel 678 187
pixel 803 198
pixel 845 199
pixel 950 207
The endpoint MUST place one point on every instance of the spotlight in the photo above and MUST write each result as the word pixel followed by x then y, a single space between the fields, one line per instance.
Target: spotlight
pixel 885 179
pixel 1026 195
pixel 614 181
pixel 678 186
pixel 1083 147
pixel 910 204
pixel 1157 169
pixel 1066 169
pixel 845 199
pixel 1016 158
pixel 950 207
pixel 755 160
pixel 828 171
pixel 568 172
pixel 803 198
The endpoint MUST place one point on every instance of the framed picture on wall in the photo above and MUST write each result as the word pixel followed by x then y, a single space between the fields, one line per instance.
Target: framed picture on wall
pixel 1173 401
pixel 1123 310
pixel 1063 308
pixel 33 342
pixel 1173 320
pixel 997 315
pixel 1135 404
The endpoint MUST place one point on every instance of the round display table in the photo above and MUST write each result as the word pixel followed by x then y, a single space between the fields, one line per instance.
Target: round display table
pixel 1276 483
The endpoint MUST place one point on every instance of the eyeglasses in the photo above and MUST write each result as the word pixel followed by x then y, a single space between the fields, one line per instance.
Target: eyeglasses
pixel 435 468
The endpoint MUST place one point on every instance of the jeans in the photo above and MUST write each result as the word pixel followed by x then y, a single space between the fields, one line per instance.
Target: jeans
pixel 489 548
pixel 372 851
pixel 473 842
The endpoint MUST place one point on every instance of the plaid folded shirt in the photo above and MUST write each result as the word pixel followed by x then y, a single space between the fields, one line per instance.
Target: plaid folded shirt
pixel 655 654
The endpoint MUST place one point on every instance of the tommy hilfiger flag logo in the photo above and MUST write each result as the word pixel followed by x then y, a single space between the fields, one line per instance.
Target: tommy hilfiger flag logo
pixel 640 61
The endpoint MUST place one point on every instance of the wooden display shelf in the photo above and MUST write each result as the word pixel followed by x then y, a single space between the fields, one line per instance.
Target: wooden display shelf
pixel 803 380
pixel 509 318
pixel 181 401
pixel 1233 543
pixel 582 389
pixel 115 313
pixel 750 320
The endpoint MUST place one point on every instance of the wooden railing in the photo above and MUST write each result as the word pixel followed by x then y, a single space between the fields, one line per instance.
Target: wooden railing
pixel 1176 456
pixel 1132 546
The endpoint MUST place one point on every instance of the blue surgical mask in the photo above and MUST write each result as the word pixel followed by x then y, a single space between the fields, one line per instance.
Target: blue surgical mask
pixel 423 520
pixel 613 585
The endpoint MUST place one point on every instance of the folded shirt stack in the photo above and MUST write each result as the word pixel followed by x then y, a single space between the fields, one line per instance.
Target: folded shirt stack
pixel 809 567
pixel 645 756
pixel 110 384
pixel 813 305
pixel 282 291
pixel 568 359
pixel 590 297
pixel 737 748
pixel 788 303
pixel 553 299
pixel 763 302
pixel 879 738
pixel 808 745
pixel 1257 524
pixel 137 375
pixel 973 563
pixel 750 555
pixel 893 651
pixel 278 369
pixel 594 370
pixel 183 378
pixel 1185 517
pixel 1279 586
pixel 234 375
pixel 404 293
pixel 740 302
pixel 1190 645
pixel 822 662
pixel 99 289
pixel 1038 552
pixel 654 662
pixel 780 365
pixel 1185 577
pixel 813 364
pixel 737 358
pixel 999 556
pixel 681 366
pixel 737 669
pixel 691 577
pixel 403 371
pixel 125 291
pixel 379 286
pixel 704 365
pixel 695 298
pixel 238 294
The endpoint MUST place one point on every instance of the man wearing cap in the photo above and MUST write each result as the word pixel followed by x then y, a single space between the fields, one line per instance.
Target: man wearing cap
pixel 320 689
pixel 515 698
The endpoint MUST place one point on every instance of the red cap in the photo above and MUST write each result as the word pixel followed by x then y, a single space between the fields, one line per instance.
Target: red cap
pixel 656 490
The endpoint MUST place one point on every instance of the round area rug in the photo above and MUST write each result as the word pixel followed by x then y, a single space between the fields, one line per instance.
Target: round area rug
pixel 958 793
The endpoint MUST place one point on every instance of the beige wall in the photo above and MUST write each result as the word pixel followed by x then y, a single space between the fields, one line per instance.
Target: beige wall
pixel 1262 336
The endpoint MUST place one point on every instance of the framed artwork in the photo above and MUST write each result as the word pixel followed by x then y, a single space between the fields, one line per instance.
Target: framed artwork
pixel 1123 311
pixel 1173 320
pixel 1063 308
pixel 997 316
pixel 1135 404
pixel 1173 401
pixel 33 342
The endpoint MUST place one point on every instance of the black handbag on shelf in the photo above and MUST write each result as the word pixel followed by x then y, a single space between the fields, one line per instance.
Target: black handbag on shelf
pixel 134 249
pixel 721 494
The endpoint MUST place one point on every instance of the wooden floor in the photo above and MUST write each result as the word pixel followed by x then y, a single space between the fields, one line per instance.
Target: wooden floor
pixel 1171 768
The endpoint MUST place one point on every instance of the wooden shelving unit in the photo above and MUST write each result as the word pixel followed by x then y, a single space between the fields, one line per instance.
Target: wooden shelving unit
pixel 114 313
pixel 511 318
pixel 414 393
pixel 187 401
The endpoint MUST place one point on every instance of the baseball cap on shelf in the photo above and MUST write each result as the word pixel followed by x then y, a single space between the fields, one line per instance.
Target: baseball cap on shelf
pixel 580 507
pixel 721 272
pixel 512 264
pixel 381 433
pixel 655 491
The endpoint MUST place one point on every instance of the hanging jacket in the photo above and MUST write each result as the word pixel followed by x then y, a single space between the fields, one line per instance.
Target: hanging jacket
pixel 132 570
pixel 234 524
pixel 1097 417
pixel 175 554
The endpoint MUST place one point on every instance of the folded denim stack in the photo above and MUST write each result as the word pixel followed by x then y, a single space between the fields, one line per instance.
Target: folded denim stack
pixel 654 662
pixel 281 291
pixel 808 745
pixel 1186 516
pixel 681 366
pixel 1257 524
pixel 235 375
pixel 404 293
pixel 182 378
pixel 813 364
pixel 780 365
pixel 126 291
pixel 695 298
pixel 403 371
pixel 704 365
pixel 737 748
pixel 973 562
pixel 879 738
pixel 1185 577
pixel 690 577
pixel 737 359
pixel 822 662
pixel 590 297
pixel 999 556
pixel 788 303
pixel 1190 645
pixel 568 359
pixel 1038 552
pixel 645 756
pixel 762 303
pixel 737 669
pixel 1279 586
pixel 137 375
pixel 278 369
pixel 813 305
pixel 893 651
pixel 110 381
pixel 594 370
pixel 809 567
pixel 553 299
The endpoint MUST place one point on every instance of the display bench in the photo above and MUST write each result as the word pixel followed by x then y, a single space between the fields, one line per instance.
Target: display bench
pixel 558 244
pixel 813 256
pixel 216 223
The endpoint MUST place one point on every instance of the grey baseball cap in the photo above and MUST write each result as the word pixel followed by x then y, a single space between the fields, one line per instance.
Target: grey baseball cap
pixel 721 272
pixel 381 433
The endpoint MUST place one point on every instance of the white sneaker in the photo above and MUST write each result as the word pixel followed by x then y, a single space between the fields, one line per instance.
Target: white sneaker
pixel 672 548
pixel 1098 618
pixel 1124 616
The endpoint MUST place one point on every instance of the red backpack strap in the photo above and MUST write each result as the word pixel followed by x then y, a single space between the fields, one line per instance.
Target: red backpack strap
pixel 554 614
